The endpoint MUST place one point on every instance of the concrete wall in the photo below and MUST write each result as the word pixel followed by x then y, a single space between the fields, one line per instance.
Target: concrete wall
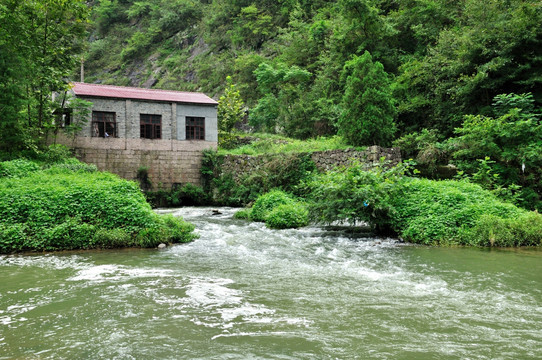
pixel 169 162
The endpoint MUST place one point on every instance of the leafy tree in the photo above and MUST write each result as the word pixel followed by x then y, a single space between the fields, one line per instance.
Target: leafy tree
pixel 230 111
pixel 512 142
pixel 281 109
pixel 368 106
pixel 472 62
pixel 37 46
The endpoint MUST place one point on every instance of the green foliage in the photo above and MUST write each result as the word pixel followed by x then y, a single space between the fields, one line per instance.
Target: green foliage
pixel 38 42
pixel 56 153
pixel 18 168
pixel 426 147
pixel 353 194
pixel 513 142
pixel 281 107
pixel 230 113
pixel 472 61
pixel 262 144
pixel 282 171
pixel 491 230
pixel 278 209
pixel 112 238
pixel 69 207
pixel 252 27
pixel 420 210
pixel 242 214
pixel 369 111
pixel 186 195
pixel 266 203
pixel 288 216
pixel 70 165
pixel 444 212
pixel 178 231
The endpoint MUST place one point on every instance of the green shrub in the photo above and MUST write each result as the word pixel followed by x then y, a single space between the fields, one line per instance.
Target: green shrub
pixel 265 144
pixel 71 165
pixel 284 172
pixel 59 209
pixel 288 216
pixel 18 168
pixel 188 195
pixel 151 237
pixel 267 202
pixel 112 238
pixel 12 237
pixel 491 230
pixel 421 210
pixel 431 212
pixel 56 153
pixel 178 230
pixel 72 233
pixel 243 214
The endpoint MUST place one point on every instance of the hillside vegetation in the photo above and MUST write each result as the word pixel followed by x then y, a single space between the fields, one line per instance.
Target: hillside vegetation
pixel 296 62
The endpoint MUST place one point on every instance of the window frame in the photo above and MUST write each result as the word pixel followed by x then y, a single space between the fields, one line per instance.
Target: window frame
pixel 194 130
pixel 150 126
pixel 109 121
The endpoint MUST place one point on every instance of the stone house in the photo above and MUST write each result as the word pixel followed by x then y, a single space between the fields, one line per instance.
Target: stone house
pixel 159 132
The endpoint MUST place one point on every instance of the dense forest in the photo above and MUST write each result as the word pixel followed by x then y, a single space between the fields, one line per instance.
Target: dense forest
pixel 295 62
pixel 447 81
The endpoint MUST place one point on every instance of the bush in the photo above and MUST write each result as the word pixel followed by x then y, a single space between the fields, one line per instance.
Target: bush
pixel 284 172
pixel 56 153
pixel 266 203
pixel 18 168
pixel 278 210
pixel 432 212
pixel 422 211
pixel 491 230
pixel 59 209
pixel 178 230
pixel 112 238
pixel 71 165
pixel 288 216
pixel 243 214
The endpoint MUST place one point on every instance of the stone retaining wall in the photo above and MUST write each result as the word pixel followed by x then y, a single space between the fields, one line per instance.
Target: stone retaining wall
pixel 169 162
pixel 324 160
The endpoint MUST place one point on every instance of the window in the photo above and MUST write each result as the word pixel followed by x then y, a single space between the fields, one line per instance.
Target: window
pixel 63 117
pixel 104 124
pixel 150 126
pixel 195 128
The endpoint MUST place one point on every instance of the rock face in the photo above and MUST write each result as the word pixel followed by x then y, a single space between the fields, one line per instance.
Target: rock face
pixel 324 160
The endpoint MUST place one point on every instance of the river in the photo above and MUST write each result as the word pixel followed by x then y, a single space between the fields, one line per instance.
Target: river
pixel 242 291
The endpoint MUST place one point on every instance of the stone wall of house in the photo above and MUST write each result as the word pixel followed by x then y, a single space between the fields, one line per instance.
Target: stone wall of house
pixel 324 160
pixel 169 162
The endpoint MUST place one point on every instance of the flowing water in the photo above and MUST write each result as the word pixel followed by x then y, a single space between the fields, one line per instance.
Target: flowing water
pixel 242 291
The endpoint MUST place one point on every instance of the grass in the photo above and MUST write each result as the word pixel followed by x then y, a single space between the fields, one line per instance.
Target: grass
pixel 276 144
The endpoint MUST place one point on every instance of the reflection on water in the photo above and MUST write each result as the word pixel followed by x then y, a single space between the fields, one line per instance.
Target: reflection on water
pixel 244 291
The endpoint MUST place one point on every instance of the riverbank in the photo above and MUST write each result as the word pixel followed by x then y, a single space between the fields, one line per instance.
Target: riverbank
pixel 70 205
pixel 395 203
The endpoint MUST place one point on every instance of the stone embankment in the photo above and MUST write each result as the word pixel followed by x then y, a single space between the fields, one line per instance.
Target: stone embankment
pixel 324 160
